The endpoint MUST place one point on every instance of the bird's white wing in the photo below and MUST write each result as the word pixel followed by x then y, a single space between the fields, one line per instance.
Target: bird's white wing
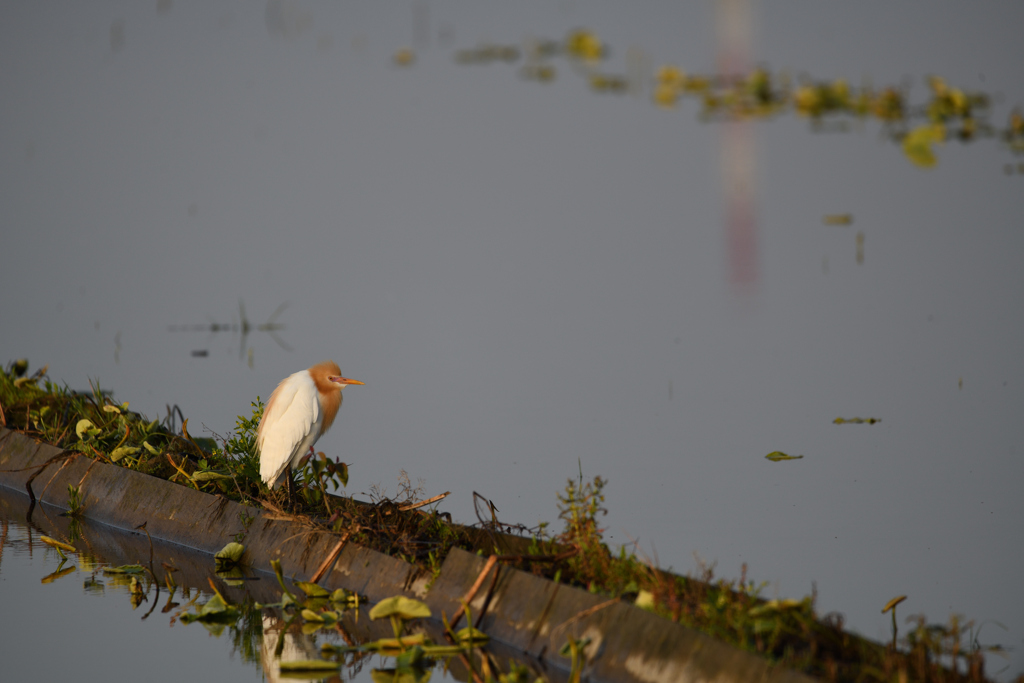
pixel 290 425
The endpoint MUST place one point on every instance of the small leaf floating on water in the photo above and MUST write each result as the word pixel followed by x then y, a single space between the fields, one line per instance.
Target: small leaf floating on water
pixel 918 144
pixel 837 219
pixel 856 420
pixel 776 456
pixel 124 569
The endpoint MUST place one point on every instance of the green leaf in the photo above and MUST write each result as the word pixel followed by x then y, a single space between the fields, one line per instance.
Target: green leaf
pixel 111 409
pixel 400 606
pixel 150 448
pixel 125 569
pixel 83 427
pixel 645 600
pixel 470 634
pixel 919 143
pixel 776 456
pixel 121 452
pixel 312 590
pixel 57 544
pixel 230 554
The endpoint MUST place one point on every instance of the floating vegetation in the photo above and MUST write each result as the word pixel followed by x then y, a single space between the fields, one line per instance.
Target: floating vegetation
pixel 855 421
pixel 837 219
pixel 948 113
pixel 404 57
pixel 778 456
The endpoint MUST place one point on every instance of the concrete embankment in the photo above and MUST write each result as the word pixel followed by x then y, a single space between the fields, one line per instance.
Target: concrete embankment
pixel 527 613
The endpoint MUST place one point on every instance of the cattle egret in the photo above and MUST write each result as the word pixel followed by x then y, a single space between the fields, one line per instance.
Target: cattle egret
pixel 301 409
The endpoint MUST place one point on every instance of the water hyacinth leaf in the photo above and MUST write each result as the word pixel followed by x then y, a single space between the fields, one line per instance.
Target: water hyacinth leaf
pixel 400 606
pixel 312 590
pixel 229 554
pixel 58 544
pixel 919 143
pixel 777 456
pixel 299 665
pixel 121 452
pixel 85 427
pixel 310 615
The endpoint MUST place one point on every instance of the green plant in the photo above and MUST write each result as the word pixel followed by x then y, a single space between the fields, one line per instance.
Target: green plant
pixel 74 501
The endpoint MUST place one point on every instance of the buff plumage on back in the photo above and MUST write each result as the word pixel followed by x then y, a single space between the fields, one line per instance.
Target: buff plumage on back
pixel 301 409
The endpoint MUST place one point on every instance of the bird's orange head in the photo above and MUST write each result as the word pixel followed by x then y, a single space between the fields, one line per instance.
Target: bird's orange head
pixel 329 383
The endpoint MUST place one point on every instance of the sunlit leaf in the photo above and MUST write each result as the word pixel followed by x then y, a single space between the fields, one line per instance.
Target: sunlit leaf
pixel 645 600
pixel 150 448
pixel 57 544
pixel 400 606
pixel 121 452
pixel 919 143
pixel 83 427
pixel 229 554
pixel 111 409
pixel 125 569
pixel 892 603
pixel 313 590
pixel 776 456
pixel 470 634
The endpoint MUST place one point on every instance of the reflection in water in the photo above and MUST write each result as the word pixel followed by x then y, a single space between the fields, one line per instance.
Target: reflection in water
pixel 177 582
pixel 244 326
pixel 738 152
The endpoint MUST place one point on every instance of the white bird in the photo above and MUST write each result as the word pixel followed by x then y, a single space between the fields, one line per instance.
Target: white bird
pixel 301 409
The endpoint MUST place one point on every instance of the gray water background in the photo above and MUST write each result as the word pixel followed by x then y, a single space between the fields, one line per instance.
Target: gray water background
pixel 529 276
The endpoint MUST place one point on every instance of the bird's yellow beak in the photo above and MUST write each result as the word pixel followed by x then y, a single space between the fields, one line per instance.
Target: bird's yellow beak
pixel 344 380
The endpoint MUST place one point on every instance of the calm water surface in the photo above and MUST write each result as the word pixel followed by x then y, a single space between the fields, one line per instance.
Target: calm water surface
pixel 533 276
